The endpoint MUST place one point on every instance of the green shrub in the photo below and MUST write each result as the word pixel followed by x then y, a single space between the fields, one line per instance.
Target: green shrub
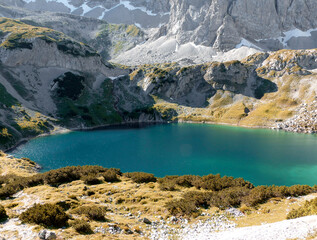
pixel 82 227
pixel 300 190
pixel 187 180
pixel 2 154
pixel 69 174
pixel 3 214
pixel 229 197
pixel 111 175
pixel 61 176
pixel 14 183
pixel 261 194
pixel 309 208
pixel 92 212
pixel 168 183
pixel 48 215
pixel 217 183
pixel 141 177
pixel 29 161
pixel 116 170
pixel 257 195
pixel 91 179
pixel 200 199
pixel 182 207
pixel 168 186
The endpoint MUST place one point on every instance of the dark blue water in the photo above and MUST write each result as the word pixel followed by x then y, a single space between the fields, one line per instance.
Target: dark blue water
pixel 260 156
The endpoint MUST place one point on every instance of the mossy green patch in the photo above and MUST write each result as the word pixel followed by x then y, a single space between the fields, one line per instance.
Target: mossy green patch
pixel 6 98
pixel 18 32
pixel 90 108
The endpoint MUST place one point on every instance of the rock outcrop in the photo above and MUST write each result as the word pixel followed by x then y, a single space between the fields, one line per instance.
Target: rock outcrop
pixel 222 24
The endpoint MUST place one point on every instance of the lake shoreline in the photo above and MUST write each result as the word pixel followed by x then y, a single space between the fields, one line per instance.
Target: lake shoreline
pixel 60 130
pixel 129 125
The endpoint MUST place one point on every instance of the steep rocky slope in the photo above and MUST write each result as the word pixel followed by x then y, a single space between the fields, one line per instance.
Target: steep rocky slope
pixel 223 23
pixel 108 39
pixel 43 73
pixel 199 31
pixel 203 31
pixel 143 13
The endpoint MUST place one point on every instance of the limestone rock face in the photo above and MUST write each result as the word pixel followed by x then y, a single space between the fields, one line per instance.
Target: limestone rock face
pixel 223 23
pixel 43 54
pixel 178 29
pixel 238 78
pixel 146 13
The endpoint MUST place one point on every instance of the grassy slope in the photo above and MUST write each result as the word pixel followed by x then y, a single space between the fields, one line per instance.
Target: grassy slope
pixel 294 88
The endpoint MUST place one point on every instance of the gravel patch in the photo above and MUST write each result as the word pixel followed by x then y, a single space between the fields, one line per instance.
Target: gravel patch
pixel 220 228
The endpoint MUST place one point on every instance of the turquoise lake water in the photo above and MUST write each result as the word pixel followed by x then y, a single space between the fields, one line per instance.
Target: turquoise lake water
pixel 264 157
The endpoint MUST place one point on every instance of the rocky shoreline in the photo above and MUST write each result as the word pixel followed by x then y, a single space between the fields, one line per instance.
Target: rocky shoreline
pixel 305 121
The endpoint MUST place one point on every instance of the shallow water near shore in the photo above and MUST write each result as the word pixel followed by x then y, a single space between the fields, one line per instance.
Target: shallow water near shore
pixel 262 156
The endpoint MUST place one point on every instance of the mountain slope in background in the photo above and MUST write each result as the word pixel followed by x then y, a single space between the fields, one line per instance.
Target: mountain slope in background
pixel 199 31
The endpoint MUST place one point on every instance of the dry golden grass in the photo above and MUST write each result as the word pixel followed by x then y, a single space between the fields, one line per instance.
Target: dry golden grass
pixel 121 199
pixel 273 211
pixel 20 167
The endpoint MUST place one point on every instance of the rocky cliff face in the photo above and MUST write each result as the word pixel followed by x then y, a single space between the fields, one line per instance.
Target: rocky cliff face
pixel 224 23
pixel 140 12
pixel 183 31
pixel 46 76
pixel 221 24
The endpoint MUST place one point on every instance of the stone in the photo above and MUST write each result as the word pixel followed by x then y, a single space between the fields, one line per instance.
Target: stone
pixel 47 235
pixel 146 221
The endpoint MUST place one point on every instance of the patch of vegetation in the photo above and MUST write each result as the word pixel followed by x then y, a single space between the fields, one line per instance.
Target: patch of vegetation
pixel 130 30
pixel 209 182
pixel 19 32
pixel 118 46
pixel 221 99
pixel 309 208
pixel 29 161
pixel 91 179
pixel 222 192
pixel 70 85
pixel 2 154
pixel 69 174
pixel 3 214
pixel 96 213
pixel 157 73
pixel 13 183
pixel 133 30
pixel 182 207
pixel 5 136
pixel 29 123
pixel 140 177
pixel 6 98
pixel 19 35
pixel 47 215
pixel 90 109
pixel 82 227
pixel 235 113
pixel 111 175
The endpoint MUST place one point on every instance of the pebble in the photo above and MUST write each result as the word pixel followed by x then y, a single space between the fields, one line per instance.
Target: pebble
pixel 146 221
pixel 47 235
